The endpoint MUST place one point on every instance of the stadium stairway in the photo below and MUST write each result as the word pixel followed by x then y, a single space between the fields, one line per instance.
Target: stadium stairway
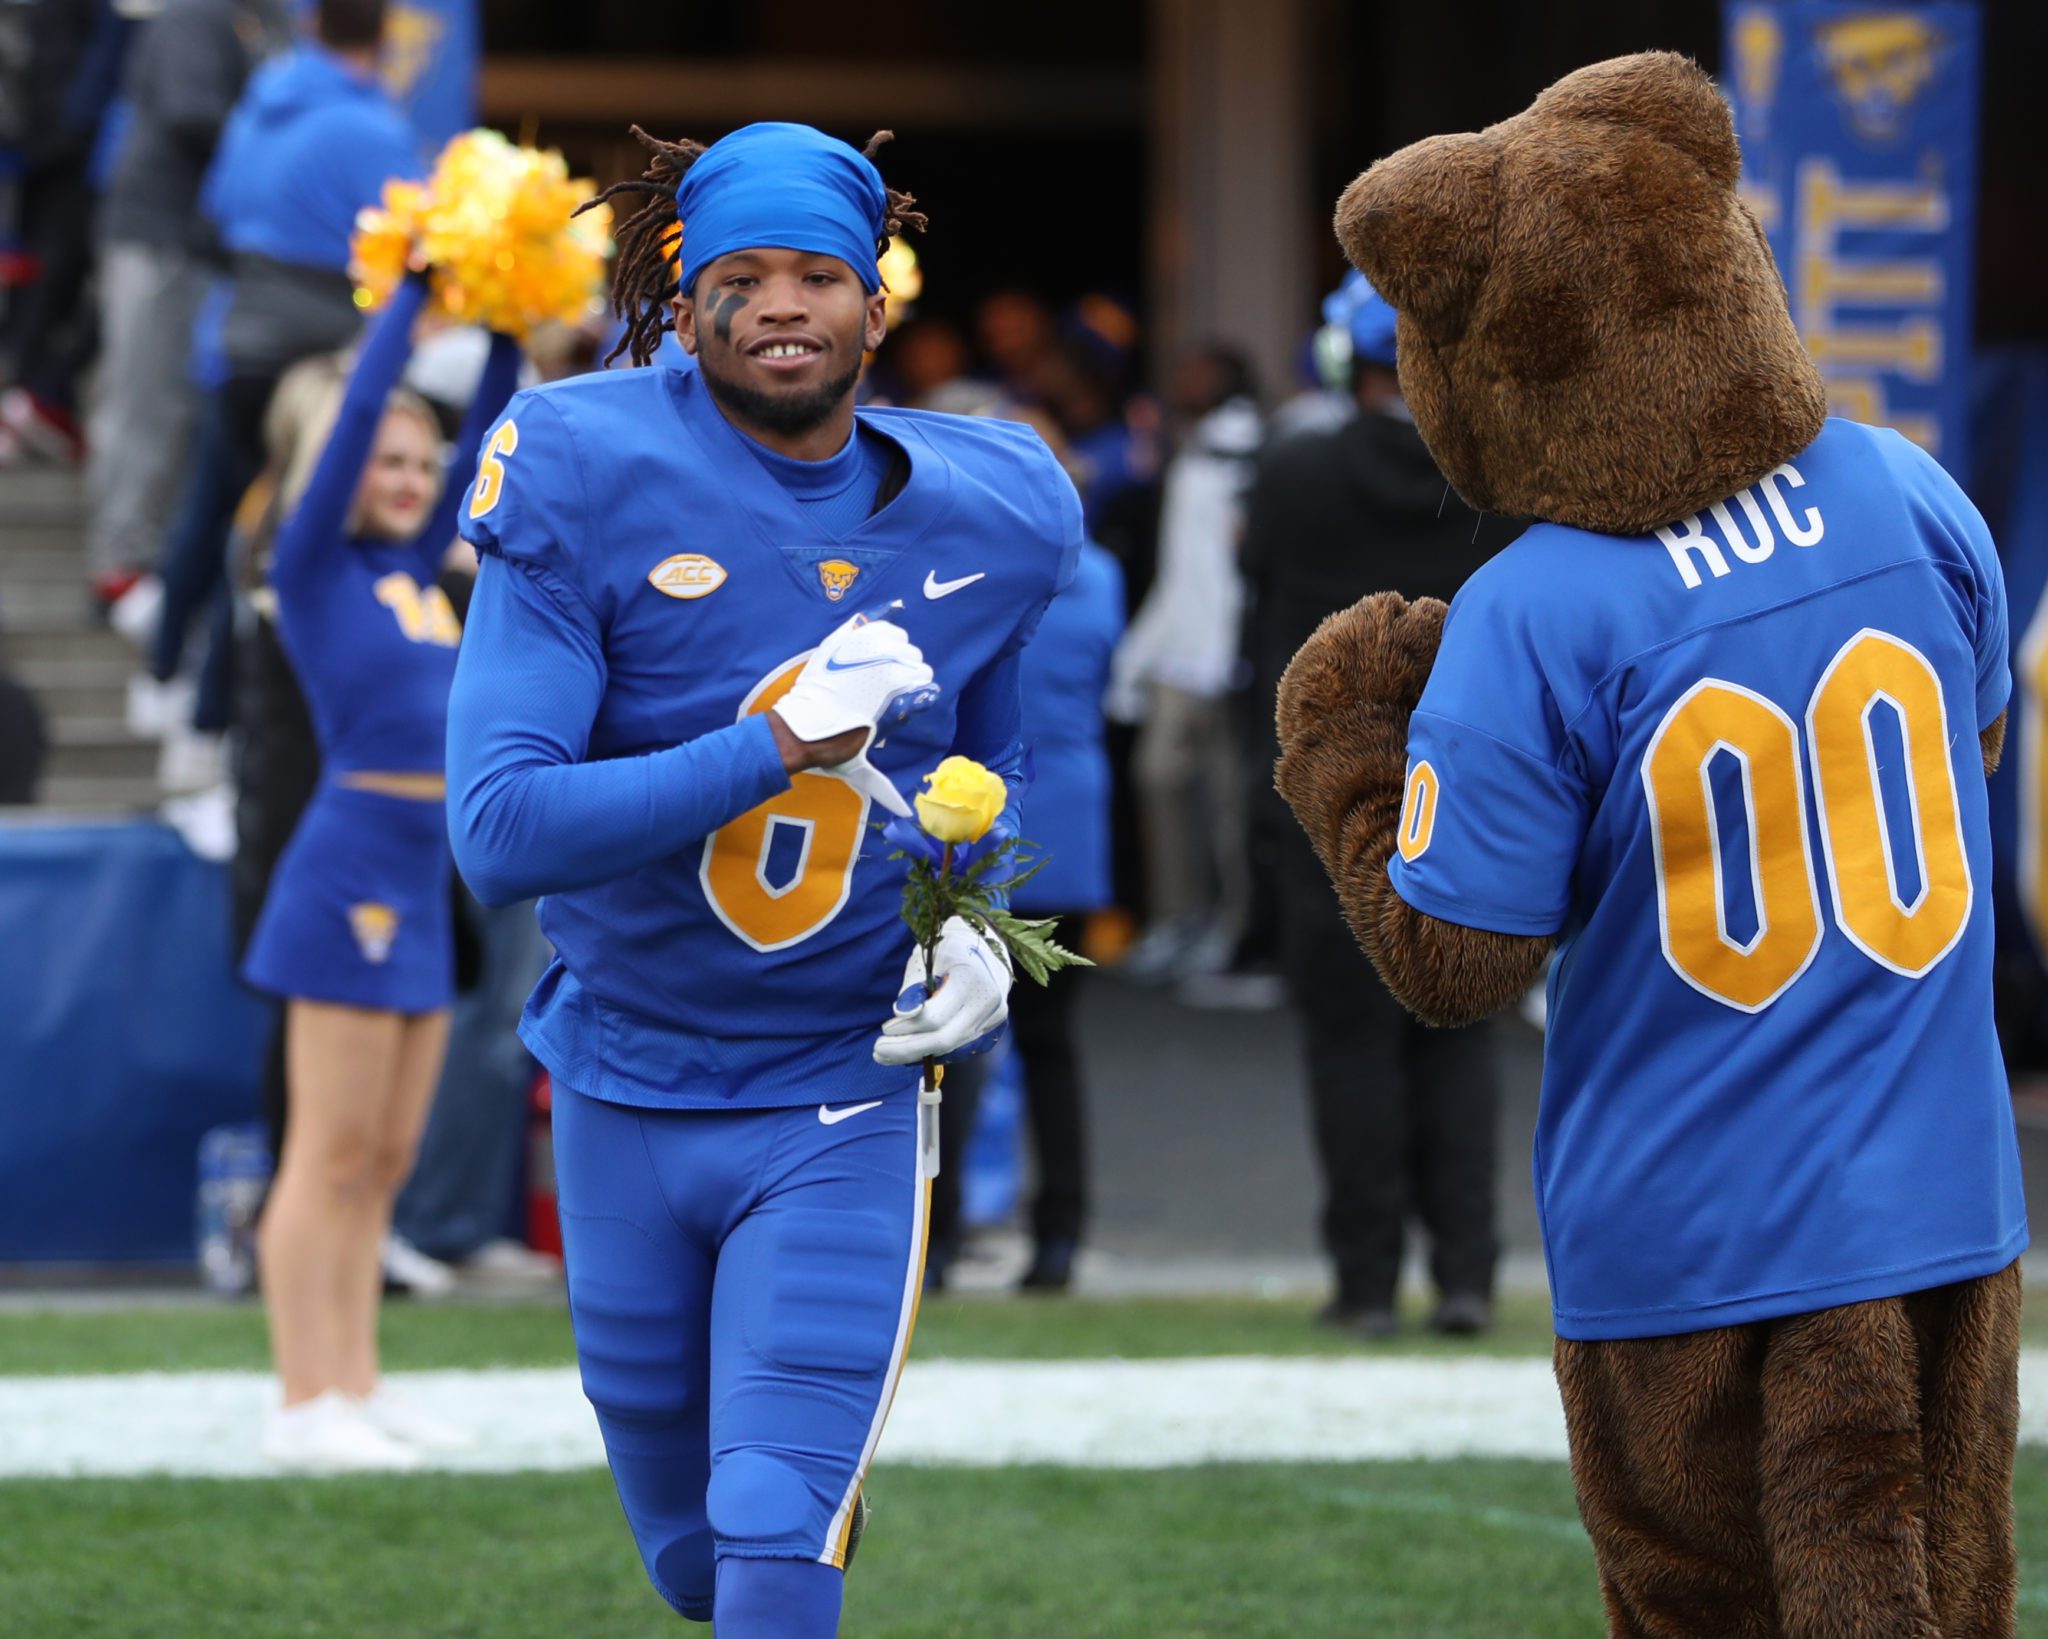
pixel 50 642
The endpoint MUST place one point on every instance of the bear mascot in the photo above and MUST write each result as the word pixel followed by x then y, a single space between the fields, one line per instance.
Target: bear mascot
pixel 1708 741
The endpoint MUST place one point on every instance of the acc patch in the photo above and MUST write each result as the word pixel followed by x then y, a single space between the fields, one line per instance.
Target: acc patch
pixel 837 576
pixel 375 927
pixel 687 575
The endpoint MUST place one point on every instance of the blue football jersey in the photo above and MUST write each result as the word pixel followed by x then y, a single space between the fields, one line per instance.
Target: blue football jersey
pixel 752 966
pixel 1733 766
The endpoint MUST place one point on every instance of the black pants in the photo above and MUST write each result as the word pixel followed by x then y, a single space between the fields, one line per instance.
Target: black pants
pixel 1404 1114
pixel 1041 1026
pixel 50 331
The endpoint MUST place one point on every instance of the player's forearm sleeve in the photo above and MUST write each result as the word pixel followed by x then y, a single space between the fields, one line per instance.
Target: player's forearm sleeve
pixel 526 815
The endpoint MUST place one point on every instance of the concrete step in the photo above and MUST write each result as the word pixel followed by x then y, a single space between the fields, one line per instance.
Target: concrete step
pixel 26 638
pixel 99 746
pixel 31 561
pixel 29 490
pixel 31 603
pixel 98 793
pixel 90 685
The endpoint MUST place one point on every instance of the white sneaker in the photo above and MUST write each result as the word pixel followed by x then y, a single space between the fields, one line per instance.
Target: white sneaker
pixel 153 709
pixel 135 612
pixel 406 1266
pixel 405 1420
pixel 329 1434
pixel 505 1259
pixel 190 760
pixel 206 820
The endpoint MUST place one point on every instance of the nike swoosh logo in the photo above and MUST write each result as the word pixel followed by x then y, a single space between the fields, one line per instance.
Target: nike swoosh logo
pixel 857 665
pixel 936 588
pixel 832 1117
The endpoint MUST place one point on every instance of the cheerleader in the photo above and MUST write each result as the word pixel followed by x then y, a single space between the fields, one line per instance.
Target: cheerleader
pixel 355 933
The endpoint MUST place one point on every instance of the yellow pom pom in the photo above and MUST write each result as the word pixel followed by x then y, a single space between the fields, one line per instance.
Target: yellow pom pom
pixel 495 224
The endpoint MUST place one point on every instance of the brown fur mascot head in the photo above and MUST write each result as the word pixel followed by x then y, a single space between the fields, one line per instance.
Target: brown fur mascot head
pixel 1592 329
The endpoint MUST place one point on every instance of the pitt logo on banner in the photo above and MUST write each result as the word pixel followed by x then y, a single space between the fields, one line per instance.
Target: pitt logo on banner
pixel 1858 126
pixel 687 575
pixel 837 576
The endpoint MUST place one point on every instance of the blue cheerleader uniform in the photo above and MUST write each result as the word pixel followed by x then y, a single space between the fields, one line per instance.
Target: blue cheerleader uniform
pixel 358 910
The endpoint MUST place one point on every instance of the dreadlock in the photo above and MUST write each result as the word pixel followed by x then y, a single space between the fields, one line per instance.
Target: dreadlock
pixel 648 278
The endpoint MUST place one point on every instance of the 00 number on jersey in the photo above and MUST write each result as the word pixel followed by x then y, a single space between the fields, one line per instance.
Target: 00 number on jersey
pixel 1872 672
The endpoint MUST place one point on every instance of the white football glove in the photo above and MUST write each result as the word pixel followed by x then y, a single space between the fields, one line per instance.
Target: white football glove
pixel 967 1000
pixel 865 674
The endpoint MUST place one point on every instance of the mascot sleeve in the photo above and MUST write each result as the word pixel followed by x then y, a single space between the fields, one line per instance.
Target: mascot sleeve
pixel 1492 813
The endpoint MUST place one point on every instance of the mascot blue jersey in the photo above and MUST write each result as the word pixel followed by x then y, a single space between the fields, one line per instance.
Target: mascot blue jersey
pixel 725 936
pixel 1733 766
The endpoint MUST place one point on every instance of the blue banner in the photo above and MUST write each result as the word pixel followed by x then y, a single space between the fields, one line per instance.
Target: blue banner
pixel 430 65
pixel 123 1038
pixel 1859 137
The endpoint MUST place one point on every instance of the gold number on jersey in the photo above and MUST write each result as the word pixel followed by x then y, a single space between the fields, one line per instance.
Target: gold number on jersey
pixel 424 614
pixel 1418 812
pixel 1691 873
pixel 829 812
pixel 1871 672
pixel 490 471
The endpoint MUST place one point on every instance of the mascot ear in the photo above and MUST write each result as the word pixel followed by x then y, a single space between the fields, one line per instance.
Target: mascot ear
pixel 1419 225
pixel 1665 96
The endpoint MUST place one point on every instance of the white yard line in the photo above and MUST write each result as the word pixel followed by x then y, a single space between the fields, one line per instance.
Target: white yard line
pixel 973 1413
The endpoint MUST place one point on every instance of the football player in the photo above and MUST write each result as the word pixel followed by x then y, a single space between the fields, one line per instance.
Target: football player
pixel 722 617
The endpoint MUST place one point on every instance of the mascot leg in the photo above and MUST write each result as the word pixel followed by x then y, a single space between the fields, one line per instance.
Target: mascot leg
pixel 1969 1337
pixel 1843 1479
pixel 1664 1434
pixel 1846 1472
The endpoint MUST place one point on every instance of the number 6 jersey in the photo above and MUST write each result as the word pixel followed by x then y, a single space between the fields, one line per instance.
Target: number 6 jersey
pixel 1733 766
pixel 647 592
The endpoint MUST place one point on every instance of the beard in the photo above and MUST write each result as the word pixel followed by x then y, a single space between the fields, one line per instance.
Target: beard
pixel 785 414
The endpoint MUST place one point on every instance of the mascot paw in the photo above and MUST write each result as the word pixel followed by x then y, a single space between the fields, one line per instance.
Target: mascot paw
pixel 1377 653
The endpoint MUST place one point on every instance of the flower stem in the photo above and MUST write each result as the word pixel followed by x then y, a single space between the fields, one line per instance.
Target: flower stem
pixel 931 950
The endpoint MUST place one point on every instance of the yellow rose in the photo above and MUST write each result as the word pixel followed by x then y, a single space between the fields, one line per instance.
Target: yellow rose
pixel 963 801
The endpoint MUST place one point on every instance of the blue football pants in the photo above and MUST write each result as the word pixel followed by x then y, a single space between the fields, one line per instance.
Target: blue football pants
pixel 743 1285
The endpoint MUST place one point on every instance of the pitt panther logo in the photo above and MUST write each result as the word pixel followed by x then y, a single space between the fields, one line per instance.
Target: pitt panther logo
pixel 1880 64
pixel 375 927
pixel 687 575
pixel 837 576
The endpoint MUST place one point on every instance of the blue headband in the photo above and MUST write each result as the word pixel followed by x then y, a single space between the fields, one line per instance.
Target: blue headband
pixel 782 186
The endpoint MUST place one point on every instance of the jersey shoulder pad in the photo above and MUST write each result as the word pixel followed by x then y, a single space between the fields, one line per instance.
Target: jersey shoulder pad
pixel 543 462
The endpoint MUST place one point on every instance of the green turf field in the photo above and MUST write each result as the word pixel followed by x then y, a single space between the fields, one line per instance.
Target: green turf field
pixel 424 1336
pixel 420 1337
pixel 1458 1550
pixel 1481 1548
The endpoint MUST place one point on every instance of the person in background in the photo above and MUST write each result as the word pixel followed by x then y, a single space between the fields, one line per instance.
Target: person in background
pixel 24 743
pixel 312 141
pixel 1015 330
pixel 1175 671
pixel 354 935
pixel 1076 384
pixel 71 71
pixel 1065 674
pixel 185 72
pixel 1404 1115
pixel 921 356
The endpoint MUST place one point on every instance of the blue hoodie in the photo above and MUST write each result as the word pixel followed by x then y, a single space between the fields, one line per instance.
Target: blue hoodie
pixel 1065 674
pixel 309 145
